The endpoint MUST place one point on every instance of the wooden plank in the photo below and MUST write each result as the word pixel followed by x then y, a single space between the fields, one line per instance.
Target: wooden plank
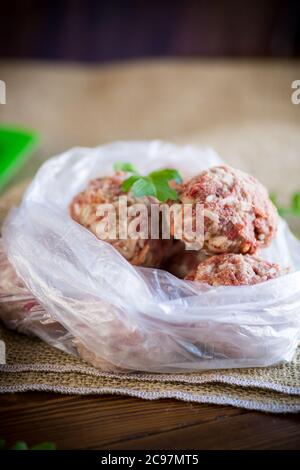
pixel 95 422
pixel 112 422
pixel 251 430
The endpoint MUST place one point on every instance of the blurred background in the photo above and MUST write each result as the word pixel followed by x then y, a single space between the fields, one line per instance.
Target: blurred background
pixel 105 31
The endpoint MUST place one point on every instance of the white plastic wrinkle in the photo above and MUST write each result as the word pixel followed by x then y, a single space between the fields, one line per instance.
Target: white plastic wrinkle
pixel 140 318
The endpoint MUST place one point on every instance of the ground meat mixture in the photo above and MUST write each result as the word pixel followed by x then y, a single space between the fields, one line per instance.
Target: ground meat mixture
pixel 234 270
pixel 238 214
pixel 83 209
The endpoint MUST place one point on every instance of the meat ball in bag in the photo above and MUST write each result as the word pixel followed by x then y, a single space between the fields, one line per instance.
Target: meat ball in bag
pixel 239 216
pixel 107 190
pixel 234 270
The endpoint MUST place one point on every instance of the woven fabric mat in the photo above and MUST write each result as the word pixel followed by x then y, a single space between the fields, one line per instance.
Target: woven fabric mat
pixel 33 365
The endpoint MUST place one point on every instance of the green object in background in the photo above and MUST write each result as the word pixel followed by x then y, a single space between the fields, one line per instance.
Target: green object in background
pixel 293 209
pixel 21 445
pixel 16 145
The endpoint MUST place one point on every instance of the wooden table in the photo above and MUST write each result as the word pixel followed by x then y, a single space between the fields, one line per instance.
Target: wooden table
pixel 244 110
pixel 111 422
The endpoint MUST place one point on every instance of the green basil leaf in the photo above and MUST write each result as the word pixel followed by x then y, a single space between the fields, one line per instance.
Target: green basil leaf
pixel 167 174
pixel 164 192
pixel 144 187
pixel 127 167
pixel 127 184
pixel 156 184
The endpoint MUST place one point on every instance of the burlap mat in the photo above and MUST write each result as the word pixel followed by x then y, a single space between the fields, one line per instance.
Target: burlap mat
pixel 33 365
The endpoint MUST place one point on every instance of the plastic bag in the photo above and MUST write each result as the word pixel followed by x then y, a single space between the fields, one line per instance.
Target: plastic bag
pixel 92 302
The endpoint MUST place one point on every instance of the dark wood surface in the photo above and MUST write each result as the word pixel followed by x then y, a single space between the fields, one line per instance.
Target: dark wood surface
pixel 112 422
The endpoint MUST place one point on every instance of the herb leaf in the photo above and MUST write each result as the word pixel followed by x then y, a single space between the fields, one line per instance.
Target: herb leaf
pixel 127 184
pixel 163 190
pixel 167 174
pixel 164 193
pixel 155 184
pixel 144 187
pixel 126 167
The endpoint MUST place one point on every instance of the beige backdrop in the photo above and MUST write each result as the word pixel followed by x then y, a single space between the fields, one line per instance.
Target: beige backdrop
pixel 241 108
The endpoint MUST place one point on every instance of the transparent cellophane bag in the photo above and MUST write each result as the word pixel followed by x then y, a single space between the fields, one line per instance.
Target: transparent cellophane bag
pixel 77 293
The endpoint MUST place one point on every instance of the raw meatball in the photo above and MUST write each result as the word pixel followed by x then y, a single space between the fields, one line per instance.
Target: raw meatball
pixel 238 214
pixel 83 209
pixel 234 270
